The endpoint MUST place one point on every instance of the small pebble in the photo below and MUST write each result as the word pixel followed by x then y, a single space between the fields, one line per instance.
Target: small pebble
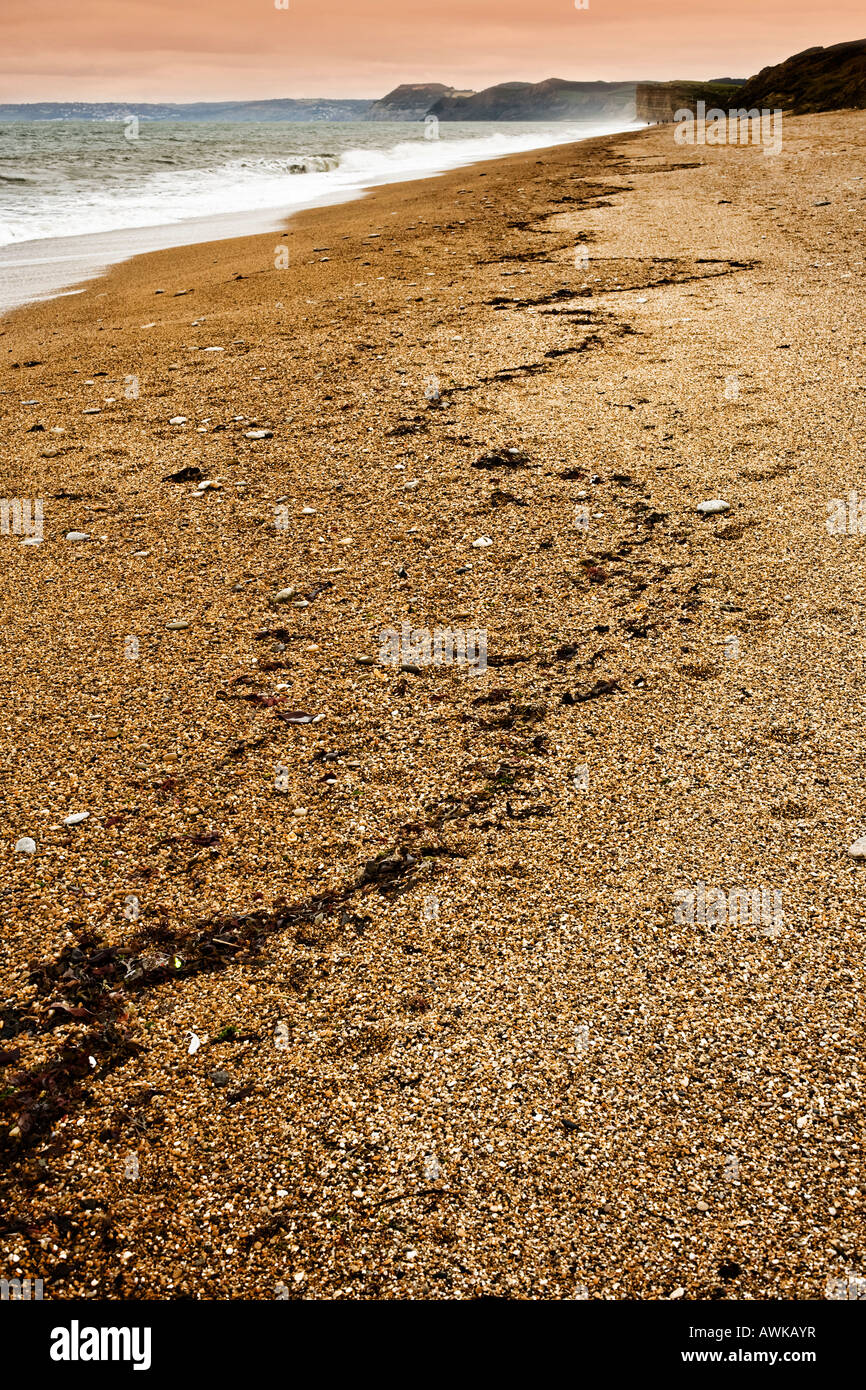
pixel 77 817
pixel 713 507
pixel 25 845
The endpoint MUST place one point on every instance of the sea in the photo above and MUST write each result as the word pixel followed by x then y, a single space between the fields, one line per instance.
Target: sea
pixel 77 196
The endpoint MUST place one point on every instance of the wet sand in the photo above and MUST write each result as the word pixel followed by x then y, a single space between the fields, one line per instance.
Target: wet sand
pixel 425 930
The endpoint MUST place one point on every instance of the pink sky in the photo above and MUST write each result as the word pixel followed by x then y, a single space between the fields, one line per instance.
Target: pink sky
pixel 189 50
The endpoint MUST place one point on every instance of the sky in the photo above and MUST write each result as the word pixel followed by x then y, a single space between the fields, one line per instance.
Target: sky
pixel 194 50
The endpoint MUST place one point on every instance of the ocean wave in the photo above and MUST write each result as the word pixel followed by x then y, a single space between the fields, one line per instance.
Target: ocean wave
pixel 130 187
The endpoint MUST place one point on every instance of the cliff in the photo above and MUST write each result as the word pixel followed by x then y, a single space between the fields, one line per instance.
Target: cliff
pixel 819 79
pixel 658 102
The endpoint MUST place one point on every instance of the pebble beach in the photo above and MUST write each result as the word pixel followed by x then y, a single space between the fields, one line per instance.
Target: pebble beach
pixel 532 975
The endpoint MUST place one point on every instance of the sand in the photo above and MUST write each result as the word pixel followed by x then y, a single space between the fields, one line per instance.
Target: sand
pixel 369 983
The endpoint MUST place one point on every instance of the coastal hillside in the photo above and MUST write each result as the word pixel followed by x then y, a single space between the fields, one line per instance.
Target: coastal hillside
pixel 411 101
pixel 278 109
pixel 551 100
pixel 818 79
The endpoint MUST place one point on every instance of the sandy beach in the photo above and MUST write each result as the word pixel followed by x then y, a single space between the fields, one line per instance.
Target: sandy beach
pixel 369 981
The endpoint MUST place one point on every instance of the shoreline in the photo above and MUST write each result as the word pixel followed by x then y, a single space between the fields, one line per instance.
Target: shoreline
pixel 428 927
pixel 104 248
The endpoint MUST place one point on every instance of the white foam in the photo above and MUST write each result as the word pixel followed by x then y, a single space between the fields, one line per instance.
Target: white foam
pixel 249 185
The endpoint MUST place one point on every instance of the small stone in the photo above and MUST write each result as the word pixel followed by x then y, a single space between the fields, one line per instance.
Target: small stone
pixel 283 595
pixel 220 1078
pixel 179 626
pixel 32 540
pixel 481 543
pixel 411 486
pixel 713 507
pixel 177 420
pixel 25 845
pixel 702 1206
pixel 363 660
pixel 308 511
pixel 258 434
pixel 77 817
pixel 858 849
pixel 77 536
pixel 93 410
